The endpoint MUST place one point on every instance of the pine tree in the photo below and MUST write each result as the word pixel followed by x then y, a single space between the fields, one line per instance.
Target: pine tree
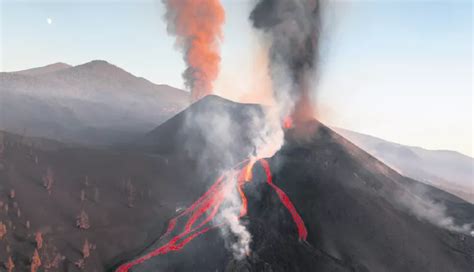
pixel 3 230
pixel 12 194
pixel 82 221
pixel 10 264
pixel 86 249
pixel 35 261
pixel 83 195
pixel 48 179
pixel 39 240
pixel 96 195
pixel 131 192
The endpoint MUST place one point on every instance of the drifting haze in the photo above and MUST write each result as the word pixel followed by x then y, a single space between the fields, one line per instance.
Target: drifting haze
pixel 383 55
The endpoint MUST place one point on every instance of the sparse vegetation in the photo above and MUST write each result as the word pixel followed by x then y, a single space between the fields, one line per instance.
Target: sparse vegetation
pixel 10 265
pixel 12 193
pixel 2 145
pixel 80 263
pixel 86 249
pixel 48 180
pixel 131 193
pixel 83 195
pixel 82 221
pixel 35 261
pixel 39 240
pixel 51 257
pixel 3 230
pixel 96 195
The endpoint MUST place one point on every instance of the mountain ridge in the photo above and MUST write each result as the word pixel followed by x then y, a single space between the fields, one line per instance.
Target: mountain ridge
pixel 49 68
pixel 451 171
pixel 85 103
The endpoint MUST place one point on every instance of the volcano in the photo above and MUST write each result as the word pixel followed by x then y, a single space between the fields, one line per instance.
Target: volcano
pixel 319 204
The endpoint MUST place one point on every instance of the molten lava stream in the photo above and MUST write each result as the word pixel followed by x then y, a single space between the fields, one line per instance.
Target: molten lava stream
pixel 302 231
pixel 207 207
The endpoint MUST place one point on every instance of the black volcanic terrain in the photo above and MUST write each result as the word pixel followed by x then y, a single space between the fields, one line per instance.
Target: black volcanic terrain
pixel 360 214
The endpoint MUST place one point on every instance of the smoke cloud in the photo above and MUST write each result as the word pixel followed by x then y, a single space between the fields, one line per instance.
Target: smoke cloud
pixel 422 206
pixel 292 29
pixel 222 136
pixel 197 25
pixel 237 236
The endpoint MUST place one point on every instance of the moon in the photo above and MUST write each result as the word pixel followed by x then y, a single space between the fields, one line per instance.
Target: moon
pixel 49 21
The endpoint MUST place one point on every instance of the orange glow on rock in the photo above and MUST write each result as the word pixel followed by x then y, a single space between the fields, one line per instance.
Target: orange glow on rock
pixel 288 122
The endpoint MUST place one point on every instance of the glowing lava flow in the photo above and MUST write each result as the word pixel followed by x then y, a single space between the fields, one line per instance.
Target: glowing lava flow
pixel 302 231
pixel 201 212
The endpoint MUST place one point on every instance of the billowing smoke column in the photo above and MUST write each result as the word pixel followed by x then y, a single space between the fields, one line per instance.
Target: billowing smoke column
pixel 292 28
pixel 197 25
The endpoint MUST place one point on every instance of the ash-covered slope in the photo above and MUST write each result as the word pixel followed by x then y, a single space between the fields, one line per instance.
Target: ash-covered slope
pixel 91 103
pixel 215 131
pixel 360 214
pixel 128 194
pixel 363 213
pixel 448 170
pixel 352 204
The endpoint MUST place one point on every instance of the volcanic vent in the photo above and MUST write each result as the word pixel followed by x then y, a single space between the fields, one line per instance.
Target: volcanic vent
pixel 319 204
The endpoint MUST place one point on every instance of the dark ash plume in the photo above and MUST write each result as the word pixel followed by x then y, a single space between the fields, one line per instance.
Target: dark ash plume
pixel 292 28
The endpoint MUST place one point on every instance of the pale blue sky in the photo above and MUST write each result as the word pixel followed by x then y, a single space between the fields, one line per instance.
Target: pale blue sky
pixel 399 70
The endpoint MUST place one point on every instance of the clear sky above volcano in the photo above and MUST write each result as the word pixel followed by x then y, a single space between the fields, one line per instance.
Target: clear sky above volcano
pixel 399 70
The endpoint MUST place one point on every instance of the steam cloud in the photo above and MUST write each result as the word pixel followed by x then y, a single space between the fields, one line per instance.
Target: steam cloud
pixel 423 207
pixel 237 236
pixel 292 28
pixel 197 25
pixel 221 137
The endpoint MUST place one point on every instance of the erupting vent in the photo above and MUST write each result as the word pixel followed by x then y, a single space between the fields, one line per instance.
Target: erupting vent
pixel 199 215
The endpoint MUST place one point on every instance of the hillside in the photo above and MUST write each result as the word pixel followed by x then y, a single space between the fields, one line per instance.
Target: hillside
pixel 447 170
pixel 88 103
pixel 348 201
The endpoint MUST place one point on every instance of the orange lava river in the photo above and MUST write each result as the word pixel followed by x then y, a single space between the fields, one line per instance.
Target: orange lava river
pixel 198 217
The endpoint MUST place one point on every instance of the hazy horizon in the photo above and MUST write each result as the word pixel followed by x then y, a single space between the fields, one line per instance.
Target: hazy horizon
pixel 399 71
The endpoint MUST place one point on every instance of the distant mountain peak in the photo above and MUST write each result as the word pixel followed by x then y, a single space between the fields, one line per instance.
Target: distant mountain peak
pixel 103 69
pixel 50 68
pixel 98 63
